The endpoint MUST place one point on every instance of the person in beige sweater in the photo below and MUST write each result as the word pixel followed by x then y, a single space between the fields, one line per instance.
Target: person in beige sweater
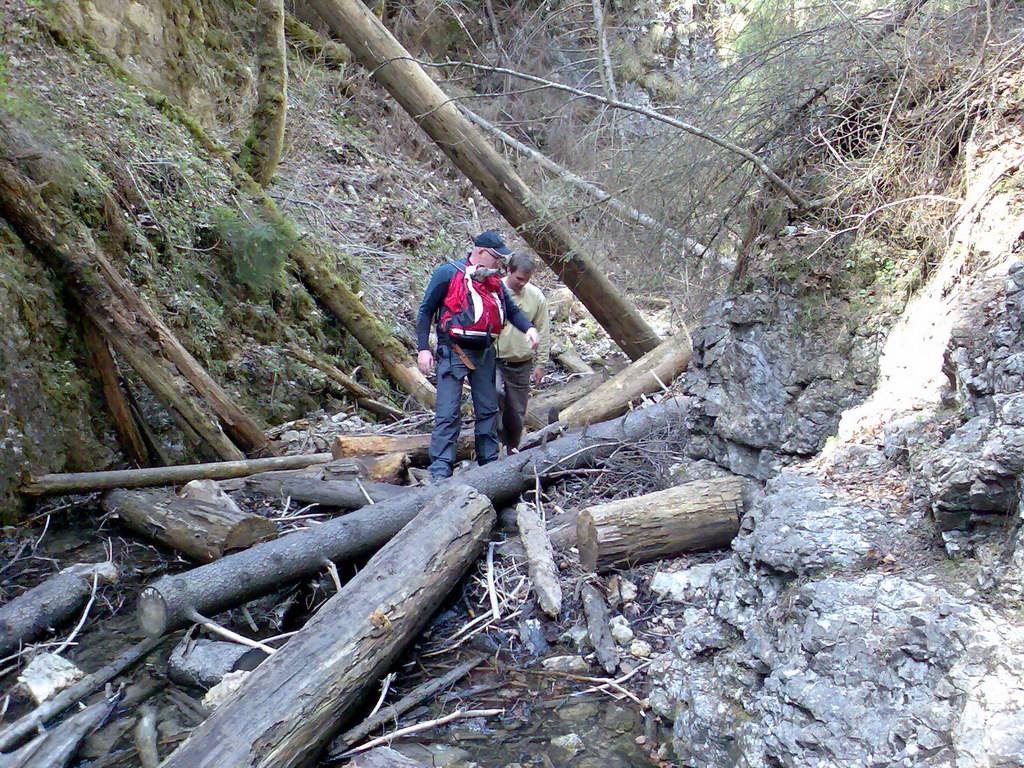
pixel 519 364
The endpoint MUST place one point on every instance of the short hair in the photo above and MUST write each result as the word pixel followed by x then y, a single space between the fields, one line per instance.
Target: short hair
pixel 523 263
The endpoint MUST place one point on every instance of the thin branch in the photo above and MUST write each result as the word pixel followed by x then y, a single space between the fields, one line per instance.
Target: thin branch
pixel 758 163
pixel 590 188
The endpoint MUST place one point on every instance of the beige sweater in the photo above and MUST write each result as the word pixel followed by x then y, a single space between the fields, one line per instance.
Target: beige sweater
pixel 512 343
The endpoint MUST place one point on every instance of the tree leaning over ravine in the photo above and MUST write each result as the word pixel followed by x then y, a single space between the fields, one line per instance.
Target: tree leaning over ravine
pixel 394 68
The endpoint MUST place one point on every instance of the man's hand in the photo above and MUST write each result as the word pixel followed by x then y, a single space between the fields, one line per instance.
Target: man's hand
pixel 537 376
pixel 425 361
pixel 533 337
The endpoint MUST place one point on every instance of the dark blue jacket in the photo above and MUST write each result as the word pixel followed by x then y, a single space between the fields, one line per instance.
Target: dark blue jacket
pixel 433 301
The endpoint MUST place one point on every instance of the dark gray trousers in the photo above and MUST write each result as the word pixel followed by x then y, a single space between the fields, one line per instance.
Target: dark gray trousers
pixel 451 372
pixel 513 396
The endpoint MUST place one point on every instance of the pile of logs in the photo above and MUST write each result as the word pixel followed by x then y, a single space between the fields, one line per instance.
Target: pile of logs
pixel 420 540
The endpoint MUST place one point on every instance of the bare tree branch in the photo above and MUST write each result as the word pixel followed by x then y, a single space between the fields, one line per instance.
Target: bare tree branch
pixel 758 163
pixel 590 188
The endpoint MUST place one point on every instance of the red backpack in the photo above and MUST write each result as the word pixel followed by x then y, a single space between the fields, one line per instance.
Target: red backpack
pixel 473 309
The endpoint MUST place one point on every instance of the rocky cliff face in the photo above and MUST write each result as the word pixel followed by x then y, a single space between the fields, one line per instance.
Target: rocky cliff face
pixel 867 614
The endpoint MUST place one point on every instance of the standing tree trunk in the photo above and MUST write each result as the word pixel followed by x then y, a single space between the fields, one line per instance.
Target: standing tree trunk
pixel 114 306
pixel 405 80
pixel 262 150
pixel 284 714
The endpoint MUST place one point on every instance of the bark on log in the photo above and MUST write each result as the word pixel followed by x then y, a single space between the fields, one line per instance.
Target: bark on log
pixel 648 374
pixel 209 492
pixel 174 600
pixel 688 518
pixel 599 628
pixel 544 408
pixel 540 558
pixel 394 68
pixel 84 482
pixel 203 663
pixel 51 603
pixel 347 494
pixel 416 446
pixel 285 712
pixel 130 324
pixel 203 531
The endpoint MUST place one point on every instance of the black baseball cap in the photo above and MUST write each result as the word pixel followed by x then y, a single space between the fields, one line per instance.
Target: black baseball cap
pixel 492 240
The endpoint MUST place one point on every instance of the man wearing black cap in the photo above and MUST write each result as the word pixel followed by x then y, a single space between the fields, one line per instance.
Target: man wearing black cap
pixel 469 305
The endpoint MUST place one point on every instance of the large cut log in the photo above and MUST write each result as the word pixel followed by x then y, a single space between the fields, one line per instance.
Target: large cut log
pixel 176 599
pixel 543 408
pixel 51 603
pixel 655 370
pixel 205 412
pixel 84 482
pixel 289 706
pixel 704 514
pixel 540 559
pixel 395 69
pixel 201 530
pixel 415 446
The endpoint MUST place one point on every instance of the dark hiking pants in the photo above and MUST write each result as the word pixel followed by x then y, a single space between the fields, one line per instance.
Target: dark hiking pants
pixel 451 372
pixel 513 395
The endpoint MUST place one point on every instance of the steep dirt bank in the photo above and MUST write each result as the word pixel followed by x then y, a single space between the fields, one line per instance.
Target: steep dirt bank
pixel 196 249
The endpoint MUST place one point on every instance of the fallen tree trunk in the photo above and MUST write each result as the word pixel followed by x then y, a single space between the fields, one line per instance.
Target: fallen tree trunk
pixel 655 370
pixel 51 603
pixel 85 482
pixel 41 715
pixel 599 628
pixel 203 531
pixel 415 446
pixel 395 69
pixel 570 359
pixel 55 748
pixel 176 599
pixel 363 395
pixel 544 408
pixel 394 711
pixel 540 559
pixel 128 434
pixel 201 407
pixel 688 518
pixel 287 709
pixel 347 494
